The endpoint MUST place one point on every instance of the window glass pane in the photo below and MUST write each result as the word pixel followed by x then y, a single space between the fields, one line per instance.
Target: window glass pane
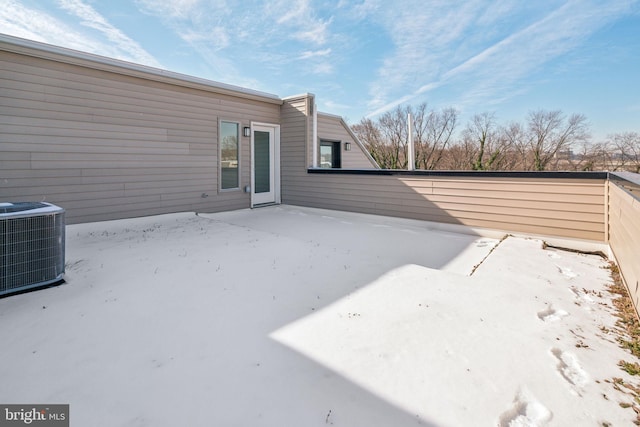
pixel 330 156
pixel 262 160
pixel 229 155
pixel 326 156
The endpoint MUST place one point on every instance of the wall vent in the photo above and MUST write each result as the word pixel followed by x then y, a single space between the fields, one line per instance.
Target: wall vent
pixel 32 247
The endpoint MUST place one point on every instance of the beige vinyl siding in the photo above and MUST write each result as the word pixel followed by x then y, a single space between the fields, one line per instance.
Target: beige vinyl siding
pixel 624 237
pixel 295 137
pixel 105 145
pixel 571 208
pixel 334 128
pixel 296 133
pixel 86 60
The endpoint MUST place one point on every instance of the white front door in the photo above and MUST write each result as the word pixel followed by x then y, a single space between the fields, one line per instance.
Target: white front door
pixel 265 157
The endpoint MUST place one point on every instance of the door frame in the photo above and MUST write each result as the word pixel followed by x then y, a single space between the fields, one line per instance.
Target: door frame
pixel 275 164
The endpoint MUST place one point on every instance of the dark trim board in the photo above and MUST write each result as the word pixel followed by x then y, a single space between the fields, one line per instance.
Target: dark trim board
pixel 464 174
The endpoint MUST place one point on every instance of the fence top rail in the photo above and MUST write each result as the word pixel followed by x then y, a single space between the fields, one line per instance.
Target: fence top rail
pixel 466 174
pixel 628 181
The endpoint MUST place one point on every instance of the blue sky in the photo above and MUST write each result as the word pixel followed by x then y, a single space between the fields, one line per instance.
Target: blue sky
pixel 362 58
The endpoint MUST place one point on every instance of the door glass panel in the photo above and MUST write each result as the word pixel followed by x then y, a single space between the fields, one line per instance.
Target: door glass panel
pixel 262 162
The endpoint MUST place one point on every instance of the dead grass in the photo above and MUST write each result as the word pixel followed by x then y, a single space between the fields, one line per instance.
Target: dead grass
pixel 627 316
pixel 629 339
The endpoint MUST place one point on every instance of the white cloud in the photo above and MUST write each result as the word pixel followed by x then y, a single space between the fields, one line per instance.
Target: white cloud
pixel 175 9
pixel 322 68
pixel 21 21
pixel 217 37
pixel 335 106
pixel 300 19
pixel 496 10
pixel 363 10
pixel 271 34
pixel 314 53
pixel 390 105
pixel 424 59
pixel 295 11
pixel 503 64
pixel 317 33
pixel 423 38
pixel 208 27
pixel 92 19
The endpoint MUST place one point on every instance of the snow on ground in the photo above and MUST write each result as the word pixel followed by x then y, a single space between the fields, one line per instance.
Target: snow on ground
pixel 288 316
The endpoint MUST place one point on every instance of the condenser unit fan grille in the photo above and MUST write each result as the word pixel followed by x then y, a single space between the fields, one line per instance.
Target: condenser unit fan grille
pixel 31 245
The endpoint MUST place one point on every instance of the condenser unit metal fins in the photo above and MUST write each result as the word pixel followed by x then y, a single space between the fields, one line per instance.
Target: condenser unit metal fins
pixel 32 245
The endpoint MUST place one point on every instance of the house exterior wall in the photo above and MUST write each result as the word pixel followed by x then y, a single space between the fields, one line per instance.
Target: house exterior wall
pixel 334 128
pixel 624 237
pixel 558 207
pixel 107 145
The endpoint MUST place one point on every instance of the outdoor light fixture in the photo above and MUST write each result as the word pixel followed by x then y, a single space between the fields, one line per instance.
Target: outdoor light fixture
pixel 246 131
pixel 347 146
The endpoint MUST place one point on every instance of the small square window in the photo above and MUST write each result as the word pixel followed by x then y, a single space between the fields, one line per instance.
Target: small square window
pixel 330 155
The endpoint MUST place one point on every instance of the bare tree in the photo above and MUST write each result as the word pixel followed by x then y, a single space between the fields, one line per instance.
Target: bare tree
pixel 583 157
pixel 387 139
pixel 369 133
pixel 458 156
pixel 434 132
pixel 519 156
pixel 549 132
pixel 488 144
pixel 393 127
pixel 626 147
pixel 546 141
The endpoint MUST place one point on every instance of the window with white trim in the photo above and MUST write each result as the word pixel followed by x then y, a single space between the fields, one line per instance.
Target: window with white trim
pixel 229 155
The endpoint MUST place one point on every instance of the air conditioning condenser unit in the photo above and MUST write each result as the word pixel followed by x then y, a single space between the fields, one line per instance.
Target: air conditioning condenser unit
pixel 32 244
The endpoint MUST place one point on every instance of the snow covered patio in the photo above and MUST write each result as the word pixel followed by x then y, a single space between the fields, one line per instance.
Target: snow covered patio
pixel 289 316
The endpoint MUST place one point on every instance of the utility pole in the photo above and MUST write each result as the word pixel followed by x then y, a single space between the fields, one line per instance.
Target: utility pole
pixel 410 148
